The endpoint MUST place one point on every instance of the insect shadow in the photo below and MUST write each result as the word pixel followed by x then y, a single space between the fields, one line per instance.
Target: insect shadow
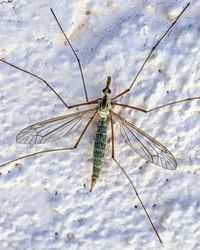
pixel 56 128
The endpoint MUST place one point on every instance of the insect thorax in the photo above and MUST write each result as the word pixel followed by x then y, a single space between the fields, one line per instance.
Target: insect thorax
pixel 104 107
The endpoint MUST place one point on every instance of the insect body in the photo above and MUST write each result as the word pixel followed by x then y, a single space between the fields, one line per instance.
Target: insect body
pixel 101 135
pixel 99 149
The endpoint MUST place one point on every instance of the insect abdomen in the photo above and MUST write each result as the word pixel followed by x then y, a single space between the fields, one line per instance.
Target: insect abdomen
pixel 99 149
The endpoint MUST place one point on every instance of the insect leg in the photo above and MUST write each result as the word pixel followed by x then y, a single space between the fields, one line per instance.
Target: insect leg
pixel 74 52
pixel 38 77
pixel 158 107
pixel 128 106
pixel 147 58
pixel 52 150
pixel 130 181
pixel 36 153
pixel 80 137
pixel 84 103
pixel 113 140
pixel 172 103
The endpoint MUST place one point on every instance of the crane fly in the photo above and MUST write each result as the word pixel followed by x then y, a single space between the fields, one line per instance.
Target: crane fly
pixel 59 127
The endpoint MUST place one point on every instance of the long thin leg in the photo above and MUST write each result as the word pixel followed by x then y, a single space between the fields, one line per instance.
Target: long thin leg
pixel 172 103
pixel 38 77
pixel 80 137
pixel 84 103
pixel 52 150
pixel 156 108
pixel 36 153
pixel 78 60
pixel 130 181
pixel 113 139
pixel 128 106
pixel 154 47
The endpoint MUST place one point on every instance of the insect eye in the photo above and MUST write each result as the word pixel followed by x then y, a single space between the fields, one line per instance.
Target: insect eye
pixel 104 90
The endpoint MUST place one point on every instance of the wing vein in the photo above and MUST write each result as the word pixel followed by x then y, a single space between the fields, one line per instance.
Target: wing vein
pixel 144 145
pixel 53 129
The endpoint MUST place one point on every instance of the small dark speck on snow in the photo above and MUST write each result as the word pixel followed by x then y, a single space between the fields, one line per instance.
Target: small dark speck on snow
pixel 87 12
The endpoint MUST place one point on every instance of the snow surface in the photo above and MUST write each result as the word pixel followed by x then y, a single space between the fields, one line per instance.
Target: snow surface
pixel 45 201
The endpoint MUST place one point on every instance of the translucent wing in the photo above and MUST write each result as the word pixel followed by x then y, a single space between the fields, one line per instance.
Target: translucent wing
pixel 146 146
pixel 52 129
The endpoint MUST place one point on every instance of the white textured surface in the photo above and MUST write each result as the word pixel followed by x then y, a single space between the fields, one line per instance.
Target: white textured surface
pixel 45 202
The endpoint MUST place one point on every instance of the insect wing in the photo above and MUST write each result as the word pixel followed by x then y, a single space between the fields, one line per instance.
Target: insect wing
pixel 146 146
pixel 53 129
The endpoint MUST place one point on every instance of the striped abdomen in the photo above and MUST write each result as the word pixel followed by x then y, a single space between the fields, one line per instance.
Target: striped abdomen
pixel 99 149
